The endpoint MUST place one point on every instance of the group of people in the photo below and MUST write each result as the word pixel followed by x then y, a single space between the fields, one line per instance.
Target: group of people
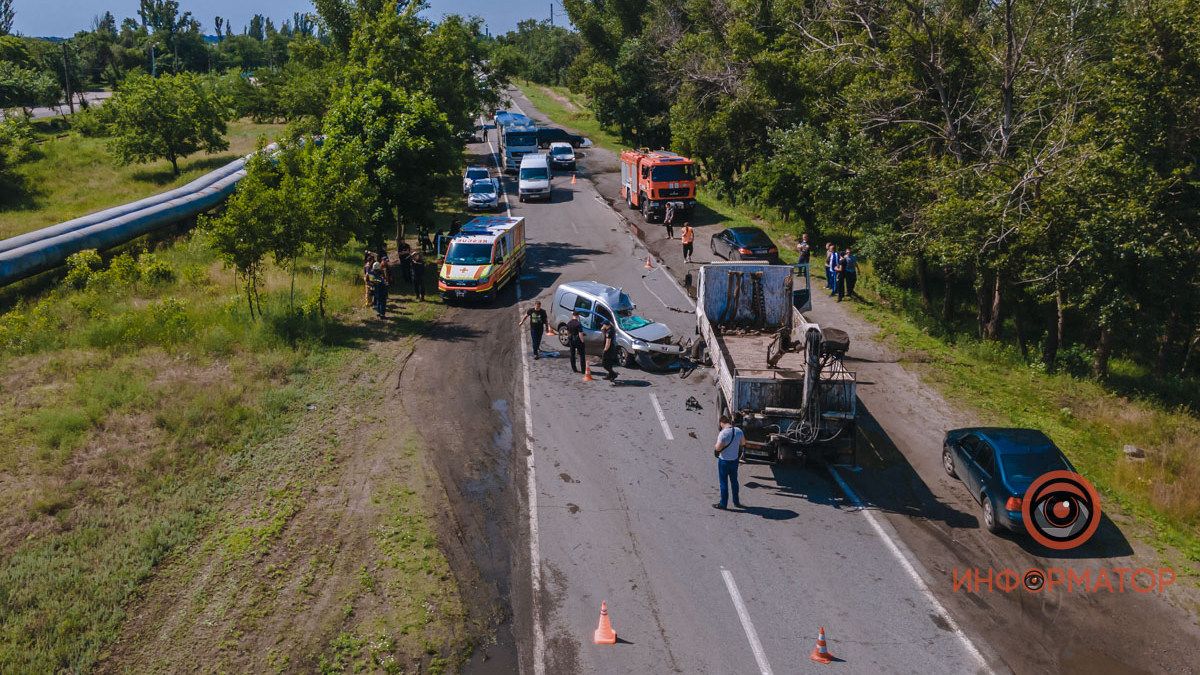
pixel 378 271
pixel 841 268
pixel 539 323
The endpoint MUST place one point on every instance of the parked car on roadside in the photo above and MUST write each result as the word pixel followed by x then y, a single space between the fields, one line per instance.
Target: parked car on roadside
pixel 998 465
pixel 562 156
pixel 744 243
pixel 472 174
pixel 548 135
pixel 484 195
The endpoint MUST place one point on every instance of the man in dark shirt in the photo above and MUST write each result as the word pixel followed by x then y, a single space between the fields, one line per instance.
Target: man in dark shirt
pixel 848 276
pixel 418 276
pixel 575 342
pixel 537 326
pixel 609 355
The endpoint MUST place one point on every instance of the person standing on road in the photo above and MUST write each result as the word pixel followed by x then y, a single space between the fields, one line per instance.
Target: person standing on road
pixel 669 220
pixel 804 249
pixel 537 326
pixel 418 276
pixel 608 358
pixel 575 342
pixel 728 451
pixel 687 238
pixel 848 276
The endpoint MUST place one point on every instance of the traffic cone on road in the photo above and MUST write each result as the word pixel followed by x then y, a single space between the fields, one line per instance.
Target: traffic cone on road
pixel 605 635
pixel 587 373
pixel 820 653
pixel 572 179
pixel 649 263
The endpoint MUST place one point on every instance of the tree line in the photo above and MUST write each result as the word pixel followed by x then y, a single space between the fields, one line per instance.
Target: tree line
pixel 1025 169
pixel 364 157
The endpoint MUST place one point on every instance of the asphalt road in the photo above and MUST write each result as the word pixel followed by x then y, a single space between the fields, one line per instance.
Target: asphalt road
pixel 624 508
pixel 583 492
pixel 93 98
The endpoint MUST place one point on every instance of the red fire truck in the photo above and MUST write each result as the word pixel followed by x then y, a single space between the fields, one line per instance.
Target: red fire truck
pixel 650 179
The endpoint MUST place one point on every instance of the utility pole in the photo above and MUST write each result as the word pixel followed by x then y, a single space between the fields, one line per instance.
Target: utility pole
pixel 153 65
pixel 67 79
pixel 551 13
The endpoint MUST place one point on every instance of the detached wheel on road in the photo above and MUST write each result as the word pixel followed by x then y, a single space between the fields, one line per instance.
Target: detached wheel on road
pixel 948 462
pixel 563 337
pixel 989 515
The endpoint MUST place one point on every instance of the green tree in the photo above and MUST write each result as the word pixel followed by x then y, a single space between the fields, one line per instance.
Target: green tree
pixel 244 232
pixel 6 17
pixel 407 142
pixel 334 196
pixel 169 117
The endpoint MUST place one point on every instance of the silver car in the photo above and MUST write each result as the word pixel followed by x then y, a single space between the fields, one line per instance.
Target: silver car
pixel 472 174
pixel 484 195
pixel 640 341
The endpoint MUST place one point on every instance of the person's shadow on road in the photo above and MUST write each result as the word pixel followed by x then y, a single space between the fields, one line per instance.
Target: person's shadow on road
pixel 767 512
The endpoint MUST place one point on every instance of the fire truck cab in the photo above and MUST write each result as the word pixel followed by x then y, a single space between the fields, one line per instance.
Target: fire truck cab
pixel 650 179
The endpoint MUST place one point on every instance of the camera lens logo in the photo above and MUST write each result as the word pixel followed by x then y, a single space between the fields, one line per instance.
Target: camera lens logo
pixel 1061 510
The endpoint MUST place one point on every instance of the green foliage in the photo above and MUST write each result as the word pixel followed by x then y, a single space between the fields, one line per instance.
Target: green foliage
pixel 537 51
pixel 22 87
pixel 168 117
pixel 80 267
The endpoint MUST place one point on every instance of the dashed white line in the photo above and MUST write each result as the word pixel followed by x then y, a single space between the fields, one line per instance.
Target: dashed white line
pixel 662 419
pixel 905 563
pixel 760 655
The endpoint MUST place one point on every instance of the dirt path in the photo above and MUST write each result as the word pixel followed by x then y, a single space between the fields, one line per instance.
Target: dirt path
pixel 324 558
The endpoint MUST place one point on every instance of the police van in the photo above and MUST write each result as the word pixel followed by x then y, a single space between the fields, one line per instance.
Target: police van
pixel 486 254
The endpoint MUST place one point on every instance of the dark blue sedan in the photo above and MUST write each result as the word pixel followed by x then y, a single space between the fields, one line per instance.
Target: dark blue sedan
pixel 998 466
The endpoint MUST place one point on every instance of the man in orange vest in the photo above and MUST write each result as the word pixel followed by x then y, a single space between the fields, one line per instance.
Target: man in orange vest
pixel 687 238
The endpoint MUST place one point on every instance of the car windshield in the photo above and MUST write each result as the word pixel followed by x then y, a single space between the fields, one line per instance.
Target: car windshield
pixel 469 254
pixel 476 174
pixel 672 172
pixel 535 173
pixel 520 139
pixel 1024 467
pixel 483 187
pixel 561 150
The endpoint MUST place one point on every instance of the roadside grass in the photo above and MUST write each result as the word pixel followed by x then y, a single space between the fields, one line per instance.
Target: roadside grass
pixel 76 175
pixel 136 406
pixel 1083 416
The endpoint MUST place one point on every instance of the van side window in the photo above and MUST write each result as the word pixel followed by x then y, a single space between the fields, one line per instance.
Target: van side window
pixel 567 301
pixel 501 250
pixel 603 312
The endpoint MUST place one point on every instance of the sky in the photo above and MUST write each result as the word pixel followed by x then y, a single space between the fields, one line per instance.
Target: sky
pixel 61 18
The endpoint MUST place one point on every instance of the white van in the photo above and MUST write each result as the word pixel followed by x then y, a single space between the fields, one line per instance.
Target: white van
pixel 533 181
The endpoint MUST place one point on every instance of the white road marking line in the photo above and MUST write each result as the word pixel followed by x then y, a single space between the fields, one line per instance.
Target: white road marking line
pixel 662 419
pixel 535 556
pixel 744 615
pixel 903 559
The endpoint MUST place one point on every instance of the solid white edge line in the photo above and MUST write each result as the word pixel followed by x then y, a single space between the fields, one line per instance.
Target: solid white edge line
pixel 901 557
pixel 662 419
pixel 535 556
pixel 744 616
pixel 500 179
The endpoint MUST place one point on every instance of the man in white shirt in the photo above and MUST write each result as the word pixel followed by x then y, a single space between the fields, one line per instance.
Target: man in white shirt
pixel 728 450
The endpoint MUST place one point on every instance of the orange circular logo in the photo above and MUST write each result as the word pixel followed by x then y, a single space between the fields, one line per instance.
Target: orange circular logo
pixel 1061 510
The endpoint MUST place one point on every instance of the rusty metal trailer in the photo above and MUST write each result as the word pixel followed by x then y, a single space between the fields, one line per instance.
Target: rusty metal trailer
pixel 781 376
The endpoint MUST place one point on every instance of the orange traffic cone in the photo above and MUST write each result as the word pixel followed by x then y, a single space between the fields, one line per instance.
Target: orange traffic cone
pixel 649 263
pixel 572 179
pixel 605 635
pixel 820 653
pixel 587 373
